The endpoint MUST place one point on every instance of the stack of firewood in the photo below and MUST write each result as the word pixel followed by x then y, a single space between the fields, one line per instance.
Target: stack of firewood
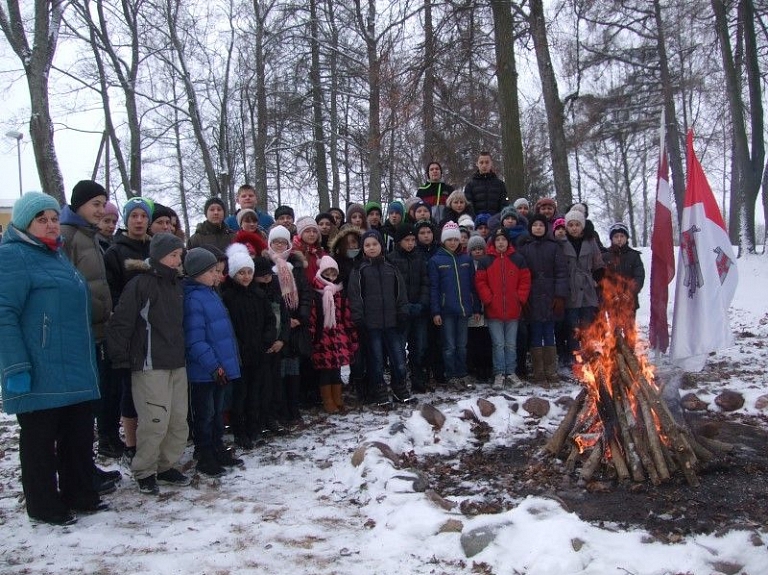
pixel 620 426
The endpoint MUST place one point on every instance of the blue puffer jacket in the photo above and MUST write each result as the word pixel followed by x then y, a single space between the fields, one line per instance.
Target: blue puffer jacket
pixel 208 334
pixel 45 326
pixel 452 284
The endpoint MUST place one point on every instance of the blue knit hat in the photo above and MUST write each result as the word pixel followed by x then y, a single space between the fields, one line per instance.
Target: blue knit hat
pixel 138 203
pixel 396 207
pixel 29 205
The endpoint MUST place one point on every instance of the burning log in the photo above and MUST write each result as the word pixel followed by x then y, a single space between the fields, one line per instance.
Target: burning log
pixel 619 422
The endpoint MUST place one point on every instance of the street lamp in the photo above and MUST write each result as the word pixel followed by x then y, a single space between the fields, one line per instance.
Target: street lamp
pixel 18 136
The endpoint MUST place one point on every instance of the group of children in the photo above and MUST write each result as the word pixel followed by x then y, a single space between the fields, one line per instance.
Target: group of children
pixel 264 318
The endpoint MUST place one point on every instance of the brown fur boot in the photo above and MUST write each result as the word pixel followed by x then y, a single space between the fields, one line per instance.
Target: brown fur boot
pixel 326 394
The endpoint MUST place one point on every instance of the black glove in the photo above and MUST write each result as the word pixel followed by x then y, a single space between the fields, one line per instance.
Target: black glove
pixel 220 377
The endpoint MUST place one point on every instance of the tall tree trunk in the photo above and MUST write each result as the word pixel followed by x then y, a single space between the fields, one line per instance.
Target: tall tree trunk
pixel 318 132
pixel 367 24
pixel 260 138
pixel 558 147
pixel 334 108
pixel 670 113
pixel 509 111
pixel 428 92
pixel 37 61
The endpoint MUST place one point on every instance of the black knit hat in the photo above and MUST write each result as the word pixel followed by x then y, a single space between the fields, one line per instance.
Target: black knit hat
pixel 283 211
pixel 84 191
pixel 403 232
pixel 162 211
pixel 210 201
pixel 423 224
pixel 262 266
pixel 325 216
pixel 537 218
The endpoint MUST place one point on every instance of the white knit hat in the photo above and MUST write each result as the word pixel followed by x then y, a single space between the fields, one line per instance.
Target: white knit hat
pixel 450 231
pixel 238 258
pixel 575 215
pixel 466 221
pixel 279 233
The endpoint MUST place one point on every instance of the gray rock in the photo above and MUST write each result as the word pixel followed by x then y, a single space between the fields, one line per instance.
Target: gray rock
pixel 451 526
pixel 433 415
pixel 474 541
pixel 761 402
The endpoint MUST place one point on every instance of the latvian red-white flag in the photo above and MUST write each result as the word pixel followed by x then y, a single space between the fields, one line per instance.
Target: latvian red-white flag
pixel 706 274
pixel 662 253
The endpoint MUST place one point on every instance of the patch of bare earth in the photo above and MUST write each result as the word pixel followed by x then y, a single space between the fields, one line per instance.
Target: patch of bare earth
pixel 730 495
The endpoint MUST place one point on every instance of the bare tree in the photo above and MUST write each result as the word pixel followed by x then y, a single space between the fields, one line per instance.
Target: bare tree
pixel 36 61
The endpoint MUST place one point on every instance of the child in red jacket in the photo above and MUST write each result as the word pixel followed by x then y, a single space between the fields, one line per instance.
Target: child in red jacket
pixel 503 283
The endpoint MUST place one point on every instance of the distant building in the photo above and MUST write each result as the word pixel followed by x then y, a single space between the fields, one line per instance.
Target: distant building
pixel 6 207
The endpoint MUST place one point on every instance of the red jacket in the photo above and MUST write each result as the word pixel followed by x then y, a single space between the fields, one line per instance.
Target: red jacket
pixel 503 283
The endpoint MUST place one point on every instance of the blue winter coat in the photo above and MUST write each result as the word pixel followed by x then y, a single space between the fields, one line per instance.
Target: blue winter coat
pixel 452 284
pixel 208 334
pixel 45 326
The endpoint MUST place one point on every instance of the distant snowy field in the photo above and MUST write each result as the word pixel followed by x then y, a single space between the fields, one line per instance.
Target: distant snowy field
pixel 301 506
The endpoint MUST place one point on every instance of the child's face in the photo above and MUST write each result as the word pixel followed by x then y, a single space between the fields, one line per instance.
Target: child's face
pixel 107 225
pixel 249 223
pixel 265 279
pixel 371 248
pixel 244 277
pixel 219 271
pixel 173 259
pixel 331 274
pixel 464 239
pixel 215 214
pixel 325 226
pixel 395 218
pixel 408 243
pixel 538 229
pixel 477 253
pixel 422 213
pixel 310 236
pixel 509 222
pixel 356 219
pixel 285 220
pixel 279 246
pixel 451 244
pixel 560 233
pixel 247 199
pixel 575 229
pixel 208 277
pixel 619 239
pixel 458 205
pixel 374 218
pixel 426 236
pixel 501 244
pixel 482 230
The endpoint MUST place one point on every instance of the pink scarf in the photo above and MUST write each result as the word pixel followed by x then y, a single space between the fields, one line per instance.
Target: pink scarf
pixel 329 290
pixel 285 278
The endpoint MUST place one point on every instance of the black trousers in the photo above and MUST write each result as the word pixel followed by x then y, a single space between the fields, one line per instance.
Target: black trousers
pixel 56 454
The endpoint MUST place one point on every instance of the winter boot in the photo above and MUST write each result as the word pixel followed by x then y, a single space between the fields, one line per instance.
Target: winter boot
pixel 226 458
pixel 336 391
pixel 381 397
pixel 326 393
pixel 537 359
pixel 550 364
pixel 207 463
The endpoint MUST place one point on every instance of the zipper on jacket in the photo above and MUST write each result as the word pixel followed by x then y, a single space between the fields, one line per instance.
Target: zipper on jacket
pixel 458 284
pixel 46 330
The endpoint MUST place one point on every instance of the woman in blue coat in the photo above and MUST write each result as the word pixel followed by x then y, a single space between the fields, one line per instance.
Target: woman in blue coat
pixel 49 374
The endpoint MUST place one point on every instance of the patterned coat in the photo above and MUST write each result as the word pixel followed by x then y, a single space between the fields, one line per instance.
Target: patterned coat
pixel 334 347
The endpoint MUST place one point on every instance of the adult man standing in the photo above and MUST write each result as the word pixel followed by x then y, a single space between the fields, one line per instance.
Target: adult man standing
pixel 79 222
pixel 246 198
pixel 485 191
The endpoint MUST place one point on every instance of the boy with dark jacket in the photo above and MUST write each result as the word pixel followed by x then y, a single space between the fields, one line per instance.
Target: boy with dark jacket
pixel 379 304
pixel 145 335
pixel 413 267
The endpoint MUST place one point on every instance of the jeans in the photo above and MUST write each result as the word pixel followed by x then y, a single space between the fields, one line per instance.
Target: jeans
pixel 389 341
pixel 207 414
pixel 455 345
pixel 542 333
pixel 415 333
pixel 578 318
pixel 504 345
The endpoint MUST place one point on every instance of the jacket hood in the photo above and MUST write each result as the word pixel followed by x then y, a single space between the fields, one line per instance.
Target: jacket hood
pixel 341 239
pixel 207 228
pixel 14 235
pixel 70 218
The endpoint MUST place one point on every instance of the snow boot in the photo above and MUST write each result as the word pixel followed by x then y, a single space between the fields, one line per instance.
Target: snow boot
pixel 329 405
pixel 337 390
pixel 537 360
pixel 207 463
pixel 550 364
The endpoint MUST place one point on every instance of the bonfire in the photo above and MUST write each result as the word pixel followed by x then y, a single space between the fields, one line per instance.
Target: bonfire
pixel 619 422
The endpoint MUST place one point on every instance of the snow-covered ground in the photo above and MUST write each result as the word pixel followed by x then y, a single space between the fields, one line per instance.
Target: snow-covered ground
pixel 301 505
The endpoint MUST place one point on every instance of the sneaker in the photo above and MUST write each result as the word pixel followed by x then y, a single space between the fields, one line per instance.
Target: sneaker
pixel 173 476
pixel 148 485
pixel 513 381
pixel 468 382
pixel 210 467
pixel 90 508
pixel 403 397
pixel 498 382
pixel 112 475
pixel 60 519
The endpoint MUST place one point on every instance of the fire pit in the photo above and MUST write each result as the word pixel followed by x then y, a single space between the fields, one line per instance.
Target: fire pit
pixel 619 422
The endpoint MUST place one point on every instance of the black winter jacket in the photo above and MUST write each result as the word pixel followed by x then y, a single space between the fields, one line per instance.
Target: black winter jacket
pixel 122 250
pixel 549 276
pixel 486 193
pixel 377 295
pixel 626 262
pixel 252 318
pixel 146 331
pixel 413 267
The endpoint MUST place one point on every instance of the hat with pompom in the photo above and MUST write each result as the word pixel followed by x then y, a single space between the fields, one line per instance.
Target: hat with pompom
pixel 450 232
pixel 238 257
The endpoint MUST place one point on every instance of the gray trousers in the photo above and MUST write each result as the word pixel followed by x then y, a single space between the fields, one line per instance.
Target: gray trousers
pixel 161 403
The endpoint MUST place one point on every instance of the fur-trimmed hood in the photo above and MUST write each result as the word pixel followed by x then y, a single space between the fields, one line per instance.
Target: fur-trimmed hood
pixel 341 239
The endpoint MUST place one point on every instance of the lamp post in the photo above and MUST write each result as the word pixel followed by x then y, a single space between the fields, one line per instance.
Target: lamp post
pixel 18 136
